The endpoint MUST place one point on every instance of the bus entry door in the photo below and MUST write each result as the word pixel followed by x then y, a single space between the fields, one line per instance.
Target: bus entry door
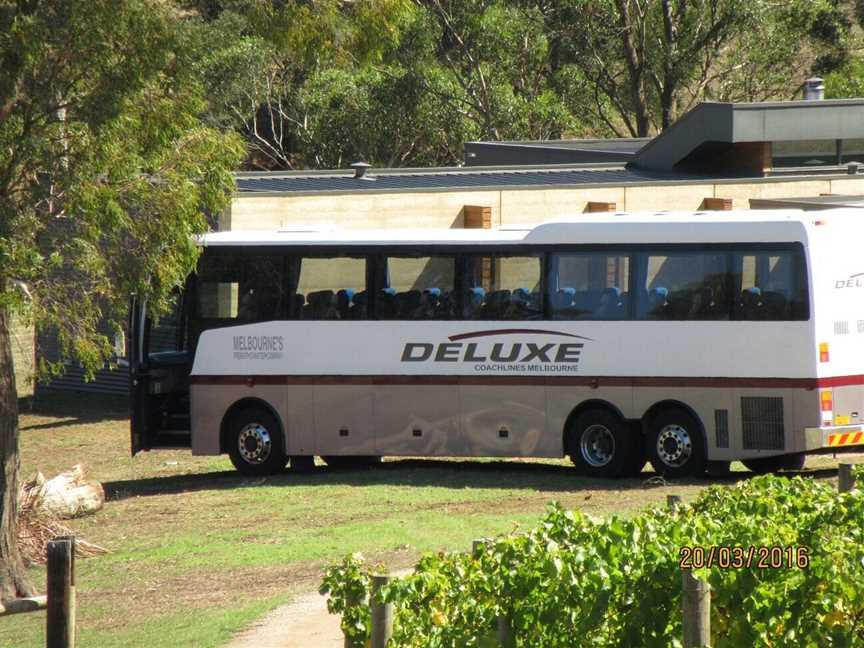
pixel 159 366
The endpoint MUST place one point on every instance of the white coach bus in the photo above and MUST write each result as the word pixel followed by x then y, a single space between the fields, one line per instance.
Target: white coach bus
pixel 679 339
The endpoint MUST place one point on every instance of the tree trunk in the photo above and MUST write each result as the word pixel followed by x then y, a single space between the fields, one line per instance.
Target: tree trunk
pixel 13 581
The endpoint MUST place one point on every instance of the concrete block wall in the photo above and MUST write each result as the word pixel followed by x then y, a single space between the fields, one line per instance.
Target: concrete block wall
pixel 508 207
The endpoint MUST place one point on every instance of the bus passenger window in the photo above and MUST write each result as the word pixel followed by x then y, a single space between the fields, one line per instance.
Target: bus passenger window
pixel 685 286
pixel 502 288
pixel 419 288
pixel 590 286
pixel 773 286
pixel 234 287
pixel 329 288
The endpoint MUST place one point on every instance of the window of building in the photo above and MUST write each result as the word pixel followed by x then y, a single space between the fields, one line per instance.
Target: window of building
pixel 497 287
pixel 590 285
pixel 805 153
pixel 418 288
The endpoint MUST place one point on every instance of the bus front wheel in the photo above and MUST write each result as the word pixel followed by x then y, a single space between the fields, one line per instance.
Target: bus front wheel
pixel 600 444
pixel 676 447
pixel 255 443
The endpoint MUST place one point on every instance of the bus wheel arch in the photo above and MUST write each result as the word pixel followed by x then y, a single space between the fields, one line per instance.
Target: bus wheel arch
pixel 675 439
pixel 601 442
pixel 253 435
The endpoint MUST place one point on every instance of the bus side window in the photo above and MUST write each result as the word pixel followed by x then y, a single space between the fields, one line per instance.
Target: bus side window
pixel 773 286
pixel 328 288
pixel 418 288
pixel 501 288
pixel 590 286
pixel 685 285
pixel 230 287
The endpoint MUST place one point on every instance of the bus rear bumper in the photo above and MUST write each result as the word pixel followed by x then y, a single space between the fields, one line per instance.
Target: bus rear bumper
pixel 838 436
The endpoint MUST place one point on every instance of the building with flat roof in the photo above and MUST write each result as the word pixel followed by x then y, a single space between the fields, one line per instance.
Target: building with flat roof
pixel 717 156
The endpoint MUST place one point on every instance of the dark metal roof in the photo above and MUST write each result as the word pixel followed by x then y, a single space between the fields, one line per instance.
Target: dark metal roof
pixel 572 151
pixel 452 179
pixel 729 123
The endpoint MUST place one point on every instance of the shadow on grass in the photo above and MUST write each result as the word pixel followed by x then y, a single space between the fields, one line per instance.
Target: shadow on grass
pixel 74 407
pixel 406 472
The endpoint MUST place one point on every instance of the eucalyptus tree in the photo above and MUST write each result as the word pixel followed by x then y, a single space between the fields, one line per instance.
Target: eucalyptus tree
pixel 106 172
pixel 641 63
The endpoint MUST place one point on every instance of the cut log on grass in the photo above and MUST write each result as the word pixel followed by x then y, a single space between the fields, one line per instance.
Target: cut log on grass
pixel 41 506
pixel 68 495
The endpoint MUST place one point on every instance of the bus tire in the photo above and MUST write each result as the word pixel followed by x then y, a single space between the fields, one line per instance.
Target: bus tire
pixel 255 443
pixel 341 462
pixel 600 444
pixel 676 446
pixel 766 465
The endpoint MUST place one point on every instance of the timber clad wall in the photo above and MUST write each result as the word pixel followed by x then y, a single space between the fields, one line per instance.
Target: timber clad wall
pixel 23 356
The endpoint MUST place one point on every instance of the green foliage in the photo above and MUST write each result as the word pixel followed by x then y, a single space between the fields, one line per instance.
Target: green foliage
pixel 405 82
pixel 106 168
pixel 846 82
pixel 347 584
pixel 577 581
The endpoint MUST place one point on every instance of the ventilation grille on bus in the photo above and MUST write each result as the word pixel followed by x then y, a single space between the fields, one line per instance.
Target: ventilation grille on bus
pixel 721 427
pixel 841 328
pixel 762 423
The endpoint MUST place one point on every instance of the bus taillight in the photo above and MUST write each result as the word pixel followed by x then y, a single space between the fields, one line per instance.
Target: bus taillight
pixel 826 399
pixel 823 352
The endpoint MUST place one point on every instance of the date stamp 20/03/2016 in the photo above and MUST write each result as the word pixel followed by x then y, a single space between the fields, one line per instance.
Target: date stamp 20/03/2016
pixel 740 557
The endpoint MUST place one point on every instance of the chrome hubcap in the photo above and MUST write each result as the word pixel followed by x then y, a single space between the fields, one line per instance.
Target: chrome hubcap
pixel 674 445
pixel 597 445
pixel 254 443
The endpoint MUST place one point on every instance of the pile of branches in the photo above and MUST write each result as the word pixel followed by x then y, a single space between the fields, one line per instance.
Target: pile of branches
pixel 44 504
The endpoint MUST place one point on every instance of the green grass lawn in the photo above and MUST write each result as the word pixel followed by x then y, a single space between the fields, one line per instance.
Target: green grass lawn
pixel 196 552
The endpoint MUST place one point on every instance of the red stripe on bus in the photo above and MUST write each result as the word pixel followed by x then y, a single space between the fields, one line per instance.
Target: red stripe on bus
pixel 843 438
pixel 841 381
pixel 858 436
pixel 476 334
pixel 483 379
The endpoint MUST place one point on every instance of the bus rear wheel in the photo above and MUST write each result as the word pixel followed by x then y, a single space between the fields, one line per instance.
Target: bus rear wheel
pixel 676 447
pixel 600 444
pixel 766 465
pixel 255 443
pixel 351 461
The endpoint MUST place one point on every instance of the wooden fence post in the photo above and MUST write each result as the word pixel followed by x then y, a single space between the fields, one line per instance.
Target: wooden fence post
pixel 382 614
pixel 846 479
pixel 60 619
pixel 696 609
pixel 673 502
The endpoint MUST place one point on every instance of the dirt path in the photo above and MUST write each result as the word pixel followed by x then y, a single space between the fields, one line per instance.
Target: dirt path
pixel 304 623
